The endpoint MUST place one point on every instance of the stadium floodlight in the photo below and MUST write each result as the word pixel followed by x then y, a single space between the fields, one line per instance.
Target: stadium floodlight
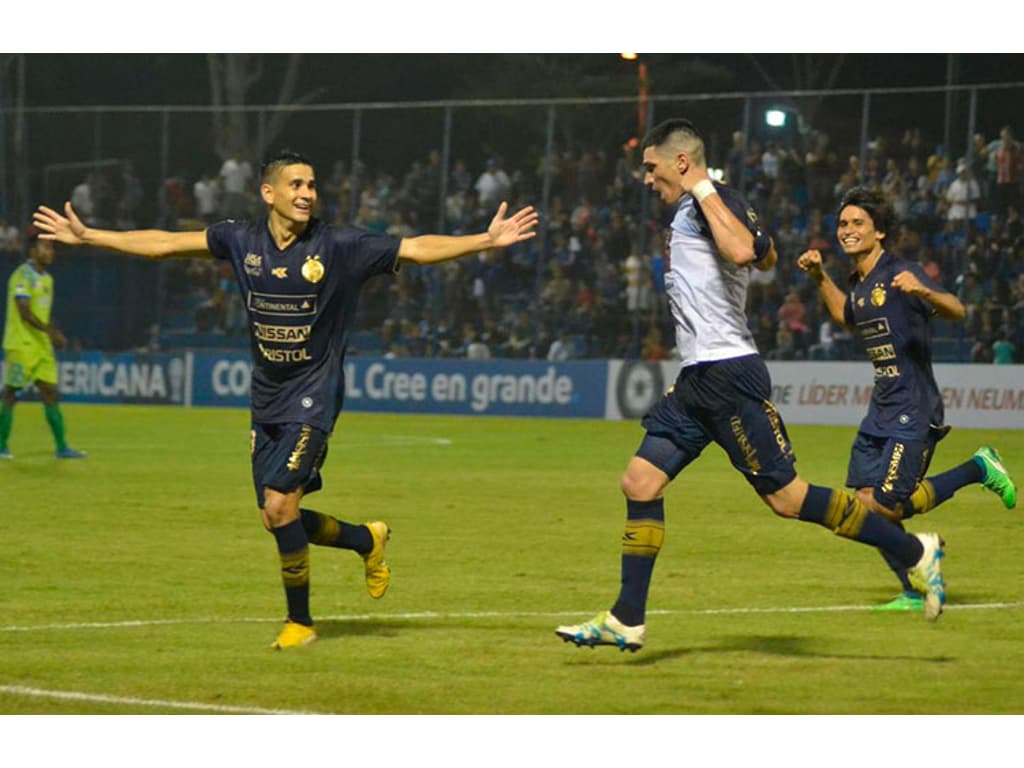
pixel 775 118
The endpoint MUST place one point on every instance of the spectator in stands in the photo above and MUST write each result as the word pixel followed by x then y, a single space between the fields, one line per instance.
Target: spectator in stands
pixel 736 160
pixel 637 285
pixel 206 192
pixel 235 176
pixel 560 349
pixel 962 197
pixel 1002 349
pixel 131 197
pixel 82 200
pixel 175 203
pixel 653 350
pixel 793 319
pixel 473 348
pixel 10 238
pixel 493 184
pixel 1009 161
pixel 972 296
pixel 461 180
pixel 979 165
pixel 981 352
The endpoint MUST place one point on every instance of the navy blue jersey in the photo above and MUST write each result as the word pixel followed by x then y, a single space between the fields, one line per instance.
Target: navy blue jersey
pixel 896 332
pixel 300 303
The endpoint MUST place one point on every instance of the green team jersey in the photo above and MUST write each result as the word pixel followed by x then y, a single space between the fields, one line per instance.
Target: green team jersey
pixel 37 287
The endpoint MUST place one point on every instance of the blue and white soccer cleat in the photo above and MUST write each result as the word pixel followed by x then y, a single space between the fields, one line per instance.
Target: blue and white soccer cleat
pixel 70 453
pixel 926 576
pixel 604 629
pixel 6 454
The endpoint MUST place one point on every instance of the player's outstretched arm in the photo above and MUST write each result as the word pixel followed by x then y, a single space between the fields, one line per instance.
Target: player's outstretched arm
pixel 502 232
pixel 149 243
pixel 835 299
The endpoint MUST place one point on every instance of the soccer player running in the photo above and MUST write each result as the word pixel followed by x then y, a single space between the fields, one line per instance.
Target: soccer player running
pixel 301 280
pixel 29 339
pixel 889 302
pixel 722 395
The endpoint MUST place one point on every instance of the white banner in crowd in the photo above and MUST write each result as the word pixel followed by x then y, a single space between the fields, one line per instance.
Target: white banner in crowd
pixel 981 396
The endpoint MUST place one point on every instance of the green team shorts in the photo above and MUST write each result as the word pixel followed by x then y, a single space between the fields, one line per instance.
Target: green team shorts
pixel 24 366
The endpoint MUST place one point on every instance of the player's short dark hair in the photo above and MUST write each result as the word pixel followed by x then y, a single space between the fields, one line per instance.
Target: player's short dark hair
pixel 875 203
pixel 282 159
pixel 660 133
pixel 677 129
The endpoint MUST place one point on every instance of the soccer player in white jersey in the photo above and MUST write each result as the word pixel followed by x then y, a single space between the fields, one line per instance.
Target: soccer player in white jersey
pixel 722 395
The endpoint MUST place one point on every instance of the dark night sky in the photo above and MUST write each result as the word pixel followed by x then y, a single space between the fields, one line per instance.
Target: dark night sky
pixel 178 79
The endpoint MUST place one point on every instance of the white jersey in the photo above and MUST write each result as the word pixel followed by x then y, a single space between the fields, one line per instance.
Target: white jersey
pixel 707 294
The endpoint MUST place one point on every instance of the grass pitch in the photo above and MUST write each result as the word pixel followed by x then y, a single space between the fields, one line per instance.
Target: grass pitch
pixel 141 581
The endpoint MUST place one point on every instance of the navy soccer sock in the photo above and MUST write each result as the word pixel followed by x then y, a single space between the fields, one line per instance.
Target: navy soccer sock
pixel 952 480
pixel 843 514
pixel 641 542
pixel 327 531
pixel 293 549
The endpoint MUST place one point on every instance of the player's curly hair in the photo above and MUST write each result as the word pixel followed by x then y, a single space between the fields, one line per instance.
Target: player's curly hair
pixel 283 158
pixel 875 203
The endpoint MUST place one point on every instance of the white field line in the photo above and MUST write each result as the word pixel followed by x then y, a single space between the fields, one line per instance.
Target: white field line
pixel 99 698
pixel 433 615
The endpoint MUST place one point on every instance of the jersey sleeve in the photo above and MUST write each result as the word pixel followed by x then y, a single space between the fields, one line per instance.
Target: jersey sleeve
pixel 367 253
pixel 743 211
pixel 21 284
pixel 220 238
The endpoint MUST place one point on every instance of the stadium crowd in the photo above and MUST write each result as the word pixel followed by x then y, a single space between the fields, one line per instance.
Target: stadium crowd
pixel 600 290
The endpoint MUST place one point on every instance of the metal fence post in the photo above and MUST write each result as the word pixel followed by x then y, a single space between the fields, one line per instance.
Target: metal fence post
pixel 746 142
pixel 353 203
pixel 645 198
pixel 545 199
pixel 4 212
pixel 865 122
pixel 446 153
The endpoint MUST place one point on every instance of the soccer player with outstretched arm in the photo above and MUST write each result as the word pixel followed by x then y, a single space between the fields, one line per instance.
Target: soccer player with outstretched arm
pixel 300 279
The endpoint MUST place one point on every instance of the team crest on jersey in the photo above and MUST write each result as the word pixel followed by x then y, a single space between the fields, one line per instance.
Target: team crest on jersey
pixel 878 294
pixel 281 272
pixel 312 269
pixel 253 264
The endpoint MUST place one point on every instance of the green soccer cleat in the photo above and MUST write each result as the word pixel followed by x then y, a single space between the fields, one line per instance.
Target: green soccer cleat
pixel 294 635
pixel 926 576
pixel 902 602
pixel 378 573
pixel 996 479
pixel 604 629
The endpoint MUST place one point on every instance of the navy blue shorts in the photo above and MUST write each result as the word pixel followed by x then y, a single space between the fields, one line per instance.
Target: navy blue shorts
pixel 893 467
pixel 286 457
pixel 726 402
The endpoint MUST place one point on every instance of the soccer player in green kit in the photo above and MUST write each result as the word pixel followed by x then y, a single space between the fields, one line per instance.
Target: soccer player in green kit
pixel 29 339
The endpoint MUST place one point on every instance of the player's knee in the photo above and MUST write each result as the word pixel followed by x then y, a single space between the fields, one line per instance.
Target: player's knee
pixel 278 510
pixel 640 485
pixel 886 504
pixel 788 500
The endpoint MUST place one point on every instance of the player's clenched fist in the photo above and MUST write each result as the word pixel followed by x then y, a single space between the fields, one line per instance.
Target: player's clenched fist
pixel 907 282
pixel 810 262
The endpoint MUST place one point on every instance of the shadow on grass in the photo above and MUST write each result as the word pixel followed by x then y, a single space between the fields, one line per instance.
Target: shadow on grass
pixel 777 645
